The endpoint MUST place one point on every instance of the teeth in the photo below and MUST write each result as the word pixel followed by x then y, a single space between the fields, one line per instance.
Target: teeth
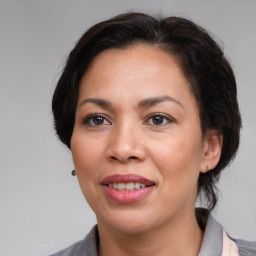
pixel 126 186
pixel 121 186
pixel 137 185
pixel 115 186
pixel 129 186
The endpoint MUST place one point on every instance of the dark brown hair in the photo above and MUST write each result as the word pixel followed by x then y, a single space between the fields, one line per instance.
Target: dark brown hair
pixel 201 59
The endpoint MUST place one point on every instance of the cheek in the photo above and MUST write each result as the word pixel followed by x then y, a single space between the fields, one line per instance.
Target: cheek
pixel 87 158
pixel 86 152
pixel 178 161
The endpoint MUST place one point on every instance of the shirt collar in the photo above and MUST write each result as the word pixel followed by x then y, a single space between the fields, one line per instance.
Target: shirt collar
pixel 213 238
pixel 211 244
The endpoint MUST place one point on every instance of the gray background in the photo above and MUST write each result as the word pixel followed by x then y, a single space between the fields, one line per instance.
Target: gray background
pixel 42 208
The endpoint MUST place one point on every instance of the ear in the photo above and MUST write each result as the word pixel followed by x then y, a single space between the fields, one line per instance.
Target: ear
pixel 213 141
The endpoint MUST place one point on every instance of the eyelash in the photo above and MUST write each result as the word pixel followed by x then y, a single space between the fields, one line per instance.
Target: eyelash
pixel 167 119
pixel 91 118
pixel 87 120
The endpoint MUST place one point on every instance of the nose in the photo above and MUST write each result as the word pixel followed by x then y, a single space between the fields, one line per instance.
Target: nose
pixel 126 144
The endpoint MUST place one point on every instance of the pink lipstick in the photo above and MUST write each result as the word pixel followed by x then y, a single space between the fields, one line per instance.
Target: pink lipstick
pixel 127 188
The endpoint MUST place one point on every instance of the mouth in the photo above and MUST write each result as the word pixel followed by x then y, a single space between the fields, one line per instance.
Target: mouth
pixel 127 182
pixel 127 188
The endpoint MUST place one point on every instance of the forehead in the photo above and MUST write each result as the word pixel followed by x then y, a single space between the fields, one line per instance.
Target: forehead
pixel 146 70
pixel 145 56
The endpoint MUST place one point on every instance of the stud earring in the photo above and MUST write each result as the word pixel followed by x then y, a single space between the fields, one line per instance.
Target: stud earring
pixel 73 173
pixel 208 170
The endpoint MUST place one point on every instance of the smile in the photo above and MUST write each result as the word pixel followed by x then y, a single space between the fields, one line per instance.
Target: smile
pixel 127 188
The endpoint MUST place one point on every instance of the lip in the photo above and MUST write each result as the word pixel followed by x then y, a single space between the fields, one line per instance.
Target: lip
pixel 126 178
pixel 127 196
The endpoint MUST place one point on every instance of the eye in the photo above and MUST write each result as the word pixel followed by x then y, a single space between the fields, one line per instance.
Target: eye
pixel 96 120
pixel 159 119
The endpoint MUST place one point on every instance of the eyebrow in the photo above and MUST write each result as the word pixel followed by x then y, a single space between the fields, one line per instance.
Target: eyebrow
pixel 156 100
pixel 99 102
pixel 149 102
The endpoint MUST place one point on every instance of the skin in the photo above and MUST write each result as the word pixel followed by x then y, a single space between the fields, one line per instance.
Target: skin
pixel 162 142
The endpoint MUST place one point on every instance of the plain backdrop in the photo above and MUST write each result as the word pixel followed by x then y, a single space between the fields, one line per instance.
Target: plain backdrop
pixel 41 207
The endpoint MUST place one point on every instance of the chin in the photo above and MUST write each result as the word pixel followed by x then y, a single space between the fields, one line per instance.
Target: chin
pixel 127 221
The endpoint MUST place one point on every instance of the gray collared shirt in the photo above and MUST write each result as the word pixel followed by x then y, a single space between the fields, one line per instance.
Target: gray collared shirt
pixel 211 244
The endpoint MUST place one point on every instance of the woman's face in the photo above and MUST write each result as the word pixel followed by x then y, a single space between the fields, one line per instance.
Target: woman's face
pixel 137 144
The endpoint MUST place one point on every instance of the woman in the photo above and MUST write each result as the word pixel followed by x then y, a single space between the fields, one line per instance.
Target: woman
pixel 149 110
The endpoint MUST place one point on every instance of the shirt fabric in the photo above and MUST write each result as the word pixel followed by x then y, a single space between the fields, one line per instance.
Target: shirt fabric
pixel 212 244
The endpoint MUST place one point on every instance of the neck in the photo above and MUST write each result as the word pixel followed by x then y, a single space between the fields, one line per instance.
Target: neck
pixel 180 237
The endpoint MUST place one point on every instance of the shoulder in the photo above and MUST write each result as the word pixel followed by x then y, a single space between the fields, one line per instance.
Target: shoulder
pixel 245 248
pixel 86 247
pixel 72 250
pixel 213 236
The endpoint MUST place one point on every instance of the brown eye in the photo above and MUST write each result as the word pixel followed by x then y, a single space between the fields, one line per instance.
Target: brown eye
pixel 98 120
pixel 157 120
pixel 95 120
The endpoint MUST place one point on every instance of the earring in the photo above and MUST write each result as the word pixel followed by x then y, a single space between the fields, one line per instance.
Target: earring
pixel 73 173
pixel 208 171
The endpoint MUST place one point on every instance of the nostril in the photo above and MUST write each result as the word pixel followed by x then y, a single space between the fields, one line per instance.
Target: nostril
pixel 116 158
